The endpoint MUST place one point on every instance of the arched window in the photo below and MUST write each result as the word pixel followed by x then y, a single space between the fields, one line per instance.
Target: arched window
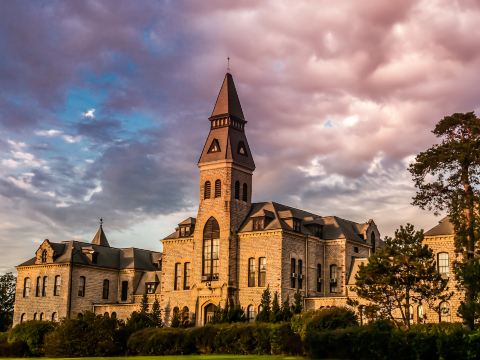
pixel 26 287
pixel 23 317
pixel 185 315
pixel 251 272
pixel 443 263
pixel 114 315
pixel 44 286
pixel 445 315
pixel 106 314
pixel 218 188
pixel 56 285
pixel 245 192
pixel 372 238
pixel 106 289
pixel 55 317
pixel 262 271
pixel 38 288
pixel 44 256
pixel 333 278
pixel 41 316
pixel 35 316
pixel 237 190
pixel 81 286
pixel 209 313
pixel 207 188
pixel 250 313
pixel 211 244
pixel 420 314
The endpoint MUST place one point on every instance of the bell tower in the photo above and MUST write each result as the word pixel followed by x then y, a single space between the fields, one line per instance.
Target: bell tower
pixel 226 167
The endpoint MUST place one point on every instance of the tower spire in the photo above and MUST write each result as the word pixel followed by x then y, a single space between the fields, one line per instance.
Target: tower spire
pixel 227 103
pixel 100 238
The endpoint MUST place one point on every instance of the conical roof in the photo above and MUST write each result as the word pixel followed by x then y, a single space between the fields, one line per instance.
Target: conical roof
pixel 227 101
pixel 100 238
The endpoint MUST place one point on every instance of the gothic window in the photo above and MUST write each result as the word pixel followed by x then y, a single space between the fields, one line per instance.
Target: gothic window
pixel 245 192
pixel 211 244
pixel 218 188
pixel 56 285
pixel 186 276
pixel 44 286
pixel 237 190
pixel 214 147
pixel 124 294
pixel 41 316
pixel 44 256
pixel 55 317
pixel 372 238
pixel 81 286
pixel 258 223
pixel 445 315
pixel 319 277
pixel 242 150
pixel 251 272
pixel 443 263
pixel 250 313
pixel 178 275
pixel 293 273
pixel 35 316
pixel 300 274
pixel 26 287
pixel 262 271
pixel 207 190
pixel 23 317
pixel 106 289
pixel 38 286
pixel 333 278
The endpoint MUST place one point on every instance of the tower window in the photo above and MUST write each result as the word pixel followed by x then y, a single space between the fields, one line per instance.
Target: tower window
pixel 237 190
pixel 251 272
pixel 211 248
pixel 214 147
pixel 245 192
pixel 218 188
pixel 242 150
pixel 81 286
pixel 207 190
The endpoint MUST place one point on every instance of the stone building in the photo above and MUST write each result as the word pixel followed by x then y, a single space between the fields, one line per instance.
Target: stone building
pixel 233 249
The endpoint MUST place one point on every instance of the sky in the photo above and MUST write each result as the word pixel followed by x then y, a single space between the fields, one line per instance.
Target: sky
pixel 104 108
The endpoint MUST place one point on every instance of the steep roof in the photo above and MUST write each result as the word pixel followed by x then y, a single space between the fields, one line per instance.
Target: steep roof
pixel 444 227
pixel 228 102
pixel 100 238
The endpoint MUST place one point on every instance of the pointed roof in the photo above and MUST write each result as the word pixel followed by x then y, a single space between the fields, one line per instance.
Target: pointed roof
pixel 100 238
pixel 227 101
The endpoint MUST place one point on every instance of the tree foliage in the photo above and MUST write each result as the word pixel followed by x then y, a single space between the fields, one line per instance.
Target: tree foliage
pixel 297 303
pixel 401 274
pixel 447 177
pixel 231 313
pixel 7 300
pixel 265 306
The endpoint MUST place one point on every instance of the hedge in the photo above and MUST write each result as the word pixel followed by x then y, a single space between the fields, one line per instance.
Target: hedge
pixel 33 334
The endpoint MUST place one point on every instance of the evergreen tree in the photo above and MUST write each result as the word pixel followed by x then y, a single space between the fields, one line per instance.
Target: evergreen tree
pixel 7 300
pixel 265 305
pixel 275 314
pixel 156 313
pixel 297 303
pixel 286 311
pixel 175 323
pixel 144 304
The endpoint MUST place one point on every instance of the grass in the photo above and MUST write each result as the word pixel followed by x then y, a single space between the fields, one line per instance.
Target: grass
pixel 188 357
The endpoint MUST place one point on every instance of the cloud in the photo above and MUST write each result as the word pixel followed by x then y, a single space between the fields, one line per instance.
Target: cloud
pixel 89 114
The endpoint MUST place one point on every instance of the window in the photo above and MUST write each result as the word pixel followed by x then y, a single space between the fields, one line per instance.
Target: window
pixel 23 317
pixel 150 288
pixel 262 271
pixel 81 286
pixel 106 289
pixel 94 257
pixel 293 273
pixel 297 225
pixel 55 317
pixel 355 249
pixel 214 147
pixel 242 149
pixel 211 245
pixel 26 287
pixel 41 317
pixel 300 274
pixel 56 285
pixel 44 286
pixel 124 294
pixel 245 192
pixel 410 313
pixel 185 315
pixel 39 286
pixel 35 316
pixel 445 315
pixel 250 313
pixel 251 272
pixel 114 315
pixel 443 263
pixel 372 238
pixel 333 278
pixel 420 314
pixel 319 277
pixel 258 223
pixel 186 276
pixel 207 189
pixel 178 275
pixel 44 256
pixel 184 231
pixel 218 188
pixel 237 190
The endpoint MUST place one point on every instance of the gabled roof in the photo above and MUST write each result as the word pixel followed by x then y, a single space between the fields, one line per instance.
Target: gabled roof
pixel 227 100
pixel 444 227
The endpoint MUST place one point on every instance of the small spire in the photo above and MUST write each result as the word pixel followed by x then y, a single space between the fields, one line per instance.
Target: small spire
pixel 100 238
pixel 101 222
pixel 228 64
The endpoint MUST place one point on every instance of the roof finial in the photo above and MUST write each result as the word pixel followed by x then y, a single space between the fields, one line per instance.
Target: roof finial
pixel 228 64
pixel 101 222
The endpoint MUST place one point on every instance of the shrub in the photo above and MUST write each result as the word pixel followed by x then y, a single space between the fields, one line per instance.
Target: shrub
pixel 167 341
pixel 202 338
pixel 32 333
pixel 15 349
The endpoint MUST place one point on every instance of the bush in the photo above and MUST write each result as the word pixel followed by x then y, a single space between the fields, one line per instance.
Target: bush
pixel 15 349
pixel 202 338
pixel 168 341
pixel 91 335
pixel 32 333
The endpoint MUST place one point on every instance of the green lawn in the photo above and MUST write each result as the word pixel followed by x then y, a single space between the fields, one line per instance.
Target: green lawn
pixel 187 357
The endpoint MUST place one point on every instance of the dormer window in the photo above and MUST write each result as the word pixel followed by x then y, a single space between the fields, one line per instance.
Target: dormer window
pixel 44 256
pixel 242 150
pixel 297 225
pixel 258 223
pixel 214 147
pixel 185 231
pixel 317 230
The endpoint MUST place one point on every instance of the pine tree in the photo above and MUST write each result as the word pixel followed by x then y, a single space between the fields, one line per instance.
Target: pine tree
pixel 286 311
pixel 275 314
pixel 175 323
pixel 156 313
pixel 297 303
pixel 144 304
pixel 265 305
